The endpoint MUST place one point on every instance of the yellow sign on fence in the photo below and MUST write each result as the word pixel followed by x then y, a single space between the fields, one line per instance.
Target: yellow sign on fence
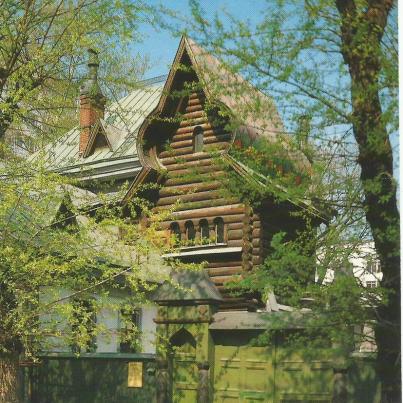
pixel 135 375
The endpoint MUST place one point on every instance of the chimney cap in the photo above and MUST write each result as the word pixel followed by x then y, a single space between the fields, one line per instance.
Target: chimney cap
pixel 90 86
pixel 93 59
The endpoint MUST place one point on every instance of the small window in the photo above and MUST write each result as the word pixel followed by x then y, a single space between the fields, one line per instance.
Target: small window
pixel 130 330
pixel 371 284
pixel 204 230
pixel 197 139
pixel 219 230
pixel 372 266
pixel 190 231
pixel 83 323
pixel 175 231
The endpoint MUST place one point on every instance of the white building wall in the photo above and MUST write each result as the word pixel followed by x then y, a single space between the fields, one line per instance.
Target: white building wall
pixel 108 320
pixel 149 328
pixel 368 274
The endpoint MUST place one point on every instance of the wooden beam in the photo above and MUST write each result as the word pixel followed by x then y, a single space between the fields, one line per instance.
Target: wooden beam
pixel 189 150
pixel 193 115
pixel 235 225
pixel 206 133
pixel 193 188
pixel 187 158
pixel 220 211
pixel 190 177
pixel 197 196
pixel 194 108
pixel 206 140
pixel 224 271
pixel 189 129
pixel 235 243
pixel 235 234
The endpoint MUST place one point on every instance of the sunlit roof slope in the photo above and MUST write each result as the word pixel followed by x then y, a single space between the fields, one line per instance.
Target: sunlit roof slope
pixel 122 121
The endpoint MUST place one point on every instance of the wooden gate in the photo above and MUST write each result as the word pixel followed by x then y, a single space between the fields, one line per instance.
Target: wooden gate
pixel 243 374
pixel 183 368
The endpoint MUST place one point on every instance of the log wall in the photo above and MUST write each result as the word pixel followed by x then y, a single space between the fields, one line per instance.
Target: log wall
pixel 193 186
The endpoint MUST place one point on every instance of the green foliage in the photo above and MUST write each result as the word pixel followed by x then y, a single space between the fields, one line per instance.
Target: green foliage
pixel 61 248
pixel 333 63
pixel 43 50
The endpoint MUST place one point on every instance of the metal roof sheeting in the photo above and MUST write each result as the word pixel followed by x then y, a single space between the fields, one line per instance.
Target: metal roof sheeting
pixel 123 118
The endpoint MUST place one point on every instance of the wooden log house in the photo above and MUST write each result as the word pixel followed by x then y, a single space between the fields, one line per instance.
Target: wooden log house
pixel 174 134
pixel 179 146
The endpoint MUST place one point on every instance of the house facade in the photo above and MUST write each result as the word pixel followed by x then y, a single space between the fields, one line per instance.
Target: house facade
pixel 208 345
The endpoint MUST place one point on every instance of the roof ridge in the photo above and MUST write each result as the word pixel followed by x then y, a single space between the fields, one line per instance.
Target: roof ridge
pixel 154 80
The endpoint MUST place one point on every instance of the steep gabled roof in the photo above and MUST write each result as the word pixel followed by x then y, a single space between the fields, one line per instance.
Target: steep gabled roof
pixel 225 89
pixel 230 90
pixel 246 103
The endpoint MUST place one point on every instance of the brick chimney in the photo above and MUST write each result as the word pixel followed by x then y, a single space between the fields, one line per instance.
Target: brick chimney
pixel 92 101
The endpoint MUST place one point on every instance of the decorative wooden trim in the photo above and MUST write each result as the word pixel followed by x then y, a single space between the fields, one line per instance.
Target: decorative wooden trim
pixel 140 178
pixel 232 218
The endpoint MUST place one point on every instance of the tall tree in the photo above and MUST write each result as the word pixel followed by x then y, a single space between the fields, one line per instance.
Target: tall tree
pixel 362 28
pixel 334 62
pixel 57 252
pixel 42 51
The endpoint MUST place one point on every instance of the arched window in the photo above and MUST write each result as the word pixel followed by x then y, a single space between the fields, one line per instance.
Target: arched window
pixel 219 229
pixel 197 139
pixel 204 229
pixel 190 231
pixel 175 231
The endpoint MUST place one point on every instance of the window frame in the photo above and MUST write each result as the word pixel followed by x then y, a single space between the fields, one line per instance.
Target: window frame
pixel 129 326
pixel 219 221
pixel 189 226
pixel 175 230
pixel 203 226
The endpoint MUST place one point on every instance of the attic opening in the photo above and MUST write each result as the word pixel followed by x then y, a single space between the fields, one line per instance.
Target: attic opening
pixel 197 139
pixel 98 140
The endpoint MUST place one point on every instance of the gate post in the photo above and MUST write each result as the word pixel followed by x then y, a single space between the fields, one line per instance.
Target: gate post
pixel 339 385
pixel 203 391
pixel 162 380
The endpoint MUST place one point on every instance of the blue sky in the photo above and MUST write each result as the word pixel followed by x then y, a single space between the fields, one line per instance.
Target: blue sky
pixel 160 46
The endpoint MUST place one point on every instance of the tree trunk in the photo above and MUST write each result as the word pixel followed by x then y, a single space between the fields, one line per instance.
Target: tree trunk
pixel 10 380
pixel 361 34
